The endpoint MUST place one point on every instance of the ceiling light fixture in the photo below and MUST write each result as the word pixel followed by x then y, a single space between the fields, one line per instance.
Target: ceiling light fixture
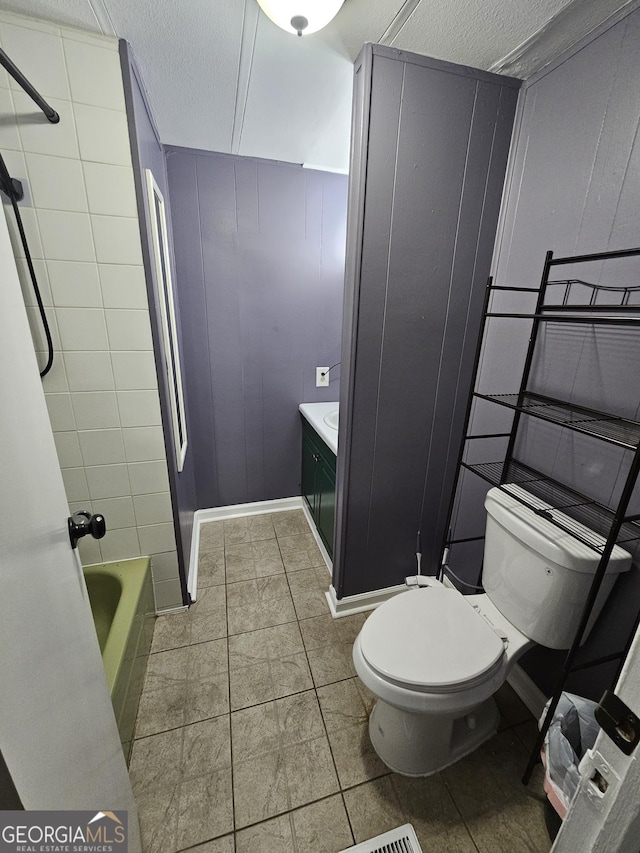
pixel 301 17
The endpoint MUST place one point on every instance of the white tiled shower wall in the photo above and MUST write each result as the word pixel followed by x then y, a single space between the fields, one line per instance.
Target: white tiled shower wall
pixel 83 234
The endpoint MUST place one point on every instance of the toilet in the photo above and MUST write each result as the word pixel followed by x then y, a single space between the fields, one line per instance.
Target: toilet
pixel 434 657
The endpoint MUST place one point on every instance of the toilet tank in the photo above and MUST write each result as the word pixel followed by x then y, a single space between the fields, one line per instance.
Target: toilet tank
pixel 537 575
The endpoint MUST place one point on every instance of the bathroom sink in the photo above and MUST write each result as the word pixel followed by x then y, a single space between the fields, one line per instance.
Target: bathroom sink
pixel 331 419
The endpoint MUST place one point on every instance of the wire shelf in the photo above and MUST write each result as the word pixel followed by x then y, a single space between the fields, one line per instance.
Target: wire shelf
pixel 619 431
pixel 587 521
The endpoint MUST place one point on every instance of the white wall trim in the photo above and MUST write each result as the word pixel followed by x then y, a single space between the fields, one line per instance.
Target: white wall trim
pixel 165 611
pixel 527 690
pixel 350 604
pixel 316 536
pixel 567 32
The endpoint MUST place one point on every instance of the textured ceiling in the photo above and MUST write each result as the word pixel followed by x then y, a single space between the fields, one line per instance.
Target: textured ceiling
pixel 221 76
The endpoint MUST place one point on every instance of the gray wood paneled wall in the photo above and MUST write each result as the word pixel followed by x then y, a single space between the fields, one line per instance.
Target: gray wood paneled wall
pixel 574 187
pixel 430 148
pixel 259 250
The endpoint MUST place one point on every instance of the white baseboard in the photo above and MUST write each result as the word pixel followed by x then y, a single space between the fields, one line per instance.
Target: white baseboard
pixel 167 610
pixel 325 554
pixel 527 690
pixel 220 513
pixel 350 604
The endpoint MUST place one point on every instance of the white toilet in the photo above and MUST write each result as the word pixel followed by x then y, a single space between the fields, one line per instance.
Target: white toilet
pixel 434 657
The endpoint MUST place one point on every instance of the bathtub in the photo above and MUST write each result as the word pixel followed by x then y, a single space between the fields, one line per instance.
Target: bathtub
pixel 121 598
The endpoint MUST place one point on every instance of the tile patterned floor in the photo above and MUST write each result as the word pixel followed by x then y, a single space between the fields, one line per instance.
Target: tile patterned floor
pixel 252 730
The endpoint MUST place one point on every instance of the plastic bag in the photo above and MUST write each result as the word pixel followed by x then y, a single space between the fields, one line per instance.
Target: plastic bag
pixel 572 732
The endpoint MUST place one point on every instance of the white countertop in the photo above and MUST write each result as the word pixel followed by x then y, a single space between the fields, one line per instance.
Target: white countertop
pixel 314 413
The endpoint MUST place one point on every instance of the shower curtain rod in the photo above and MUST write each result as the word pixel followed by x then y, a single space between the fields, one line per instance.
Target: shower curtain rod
pixel 19 77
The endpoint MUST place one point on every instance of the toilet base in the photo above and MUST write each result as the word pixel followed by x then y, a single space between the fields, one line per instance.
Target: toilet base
pixel 422 744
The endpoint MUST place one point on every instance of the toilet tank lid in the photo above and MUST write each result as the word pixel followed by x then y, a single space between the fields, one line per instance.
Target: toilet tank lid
pixel 430 638
pixel 546 538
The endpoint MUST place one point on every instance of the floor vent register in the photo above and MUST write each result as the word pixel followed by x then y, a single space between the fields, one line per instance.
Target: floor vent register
pixel 400 840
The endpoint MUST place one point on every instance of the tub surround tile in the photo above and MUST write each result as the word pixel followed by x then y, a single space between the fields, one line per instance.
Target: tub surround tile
pixel 167 594
pixel 42 54
pixel 30 225
pixel 84 237
pixel 101 446
pixel 108 481
pixel 68 449
pixel 120 544
pixel 56 183
pixel 144 444
pixel 60 413
pixel 89 371
pixel 94 74
pixel 66 236
pixel 123 286
pixel 102 136
pixel 42 275
pixel 110 189
pixel 41 137
pixel 75 484
pixel 82 329
pixel 134 371
pixel 117 241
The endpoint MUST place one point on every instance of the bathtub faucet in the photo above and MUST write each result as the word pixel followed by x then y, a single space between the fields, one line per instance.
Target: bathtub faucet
pixel 83 522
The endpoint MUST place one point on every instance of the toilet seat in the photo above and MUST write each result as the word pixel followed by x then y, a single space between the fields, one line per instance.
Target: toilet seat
pixel 431 640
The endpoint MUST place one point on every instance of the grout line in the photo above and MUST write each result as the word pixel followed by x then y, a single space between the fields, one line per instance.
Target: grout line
pixel 226 606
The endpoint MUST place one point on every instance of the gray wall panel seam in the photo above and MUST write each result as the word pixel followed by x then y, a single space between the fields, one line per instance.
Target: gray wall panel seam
pixel 447 312
pixel 384 316
pixel 206 319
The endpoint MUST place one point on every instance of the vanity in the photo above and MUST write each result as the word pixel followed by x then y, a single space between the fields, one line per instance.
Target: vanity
pixel 318 479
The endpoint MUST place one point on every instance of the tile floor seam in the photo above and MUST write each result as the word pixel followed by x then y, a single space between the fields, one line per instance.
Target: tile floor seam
pixel 226 606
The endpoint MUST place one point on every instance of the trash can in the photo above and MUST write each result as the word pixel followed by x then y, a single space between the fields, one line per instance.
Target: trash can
pixel 572 732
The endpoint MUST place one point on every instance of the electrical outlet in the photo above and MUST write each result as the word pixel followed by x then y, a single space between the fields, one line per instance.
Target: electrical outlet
pixel 322 377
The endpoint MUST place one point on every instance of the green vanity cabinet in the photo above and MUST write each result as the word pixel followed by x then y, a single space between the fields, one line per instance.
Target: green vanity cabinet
pixel 319 483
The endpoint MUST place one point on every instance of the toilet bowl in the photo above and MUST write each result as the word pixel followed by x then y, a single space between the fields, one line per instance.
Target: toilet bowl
pixel 433 709
pixel 434 657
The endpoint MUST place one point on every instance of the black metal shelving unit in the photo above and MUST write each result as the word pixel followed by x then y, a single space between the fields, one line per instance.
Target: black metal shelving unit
pixel 600 527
